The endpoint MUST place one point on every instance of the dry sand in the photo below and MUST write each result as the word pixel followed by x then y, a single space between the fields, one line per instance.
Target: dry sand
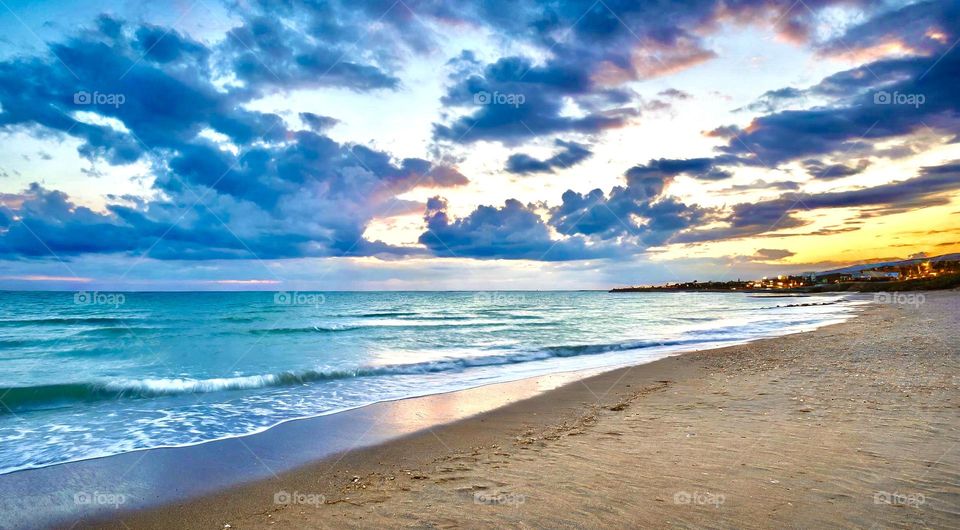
pixel 853 425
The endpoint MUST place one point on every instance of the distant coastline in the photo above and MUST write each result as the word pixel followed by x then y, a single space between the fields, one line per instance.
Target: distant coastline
pixel 915 274
pixel 951 281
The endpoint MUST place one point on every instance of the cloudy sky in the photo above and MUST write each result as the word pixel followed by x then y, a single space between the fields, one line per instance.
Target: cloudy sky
pixel 381 144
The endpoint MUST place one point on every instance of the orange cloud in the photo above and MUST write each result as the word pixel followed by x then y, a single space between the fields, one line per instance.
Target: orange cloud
pixel 653 59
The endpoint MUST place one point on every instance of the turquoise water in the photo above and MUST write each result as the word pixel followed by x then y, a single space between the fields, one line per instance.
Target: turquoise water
pixel 93 374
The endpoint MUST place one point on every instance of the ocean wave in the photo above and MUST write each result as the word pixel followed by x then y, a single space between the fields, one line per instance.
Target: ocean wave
pixel 399 324
pixel 320 328
pixel 433 317
pixel 12 343
pixel 115 331
pixel 56 321
pixel 405 315
pixel 383 314
pixel 49 396
pixel 19 399
pixel 27 398
pixel 241 318
pixel 20 343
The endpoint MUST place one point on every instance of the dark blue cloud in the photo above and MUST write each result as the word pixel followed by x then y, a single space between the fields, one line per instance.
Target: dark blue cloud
pixel 570 154
pixel 163 45
pixel 317 123
pixel 513 231
pixel 267 56
pixel 773 100
pixel 109 26
pixel 274 193
pixel 913 26
pixel 594 49
pixel 639 214
pixel 522 164
pixel 163 105
pixel 820 170
pixel 881 100
pixel 41 222
pixel 629 219
pixel 48 222
pixel 932 187
pixel 515 100
pixel 927 189
pixel 633 40
pixel 699 168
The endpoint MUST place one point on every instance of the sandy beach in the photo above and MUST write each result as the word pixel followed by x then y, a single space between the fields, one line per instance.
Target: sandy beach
pixel 852 425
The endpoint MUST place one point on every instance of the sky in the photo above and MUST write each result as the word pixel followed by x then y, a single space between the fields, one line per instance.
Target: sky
pixel 403 144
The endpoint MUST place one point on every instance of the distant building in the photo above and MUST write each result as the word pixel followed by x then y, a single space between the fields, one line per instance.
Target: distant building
pixel 885 276
pixel 909 269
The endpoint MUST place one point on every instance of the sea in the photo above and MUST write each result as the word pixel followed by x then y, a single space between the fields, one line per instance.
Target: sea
pixel 90 374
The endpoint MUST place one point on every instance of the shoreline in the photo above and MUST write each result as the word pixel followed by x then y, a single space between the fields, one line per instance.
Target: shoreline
pixel 566 375
pixel 313 417
pixel 341 477
pixel 271 444
pixel 567 456
pixel 52 481
pixel 657 351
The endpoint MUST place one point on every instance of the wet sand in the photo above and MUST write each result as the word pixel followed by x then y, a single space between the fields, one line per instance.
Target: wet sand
pixel 852 425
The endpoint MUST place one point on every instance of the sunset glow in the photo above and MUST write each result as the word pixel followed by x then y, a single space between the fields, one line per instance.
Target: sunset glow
pixel 408 146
